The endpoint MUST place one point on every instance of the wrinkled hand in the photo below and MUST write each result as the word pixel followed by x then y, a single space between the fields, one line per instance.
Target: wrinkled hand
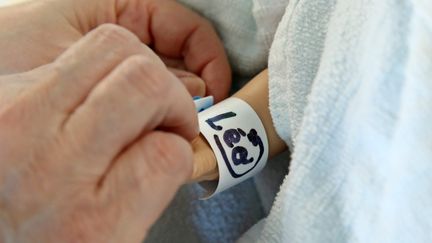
pixel 36 33
pixel 78 161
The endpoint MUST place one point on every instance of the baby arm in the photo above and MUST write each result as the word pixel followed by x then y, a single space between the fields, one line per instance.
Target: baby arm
pixel 255 93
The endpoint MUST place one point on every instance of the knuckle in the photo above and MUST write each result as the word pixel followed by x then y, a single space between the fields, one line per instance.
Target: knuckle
pixel 141 74
pixel 57 71
pixel 122 42
pixel 114 34
pixel 172 155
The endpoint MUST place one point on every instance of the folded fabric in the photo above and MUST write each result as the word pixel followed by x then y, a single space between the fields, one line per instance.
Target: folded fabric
pixel 246 27
pixel 351 93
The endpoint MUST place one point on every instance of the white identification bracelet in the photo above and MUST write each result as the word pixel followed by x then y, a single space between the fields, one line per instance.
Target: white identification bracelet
pixel 238 139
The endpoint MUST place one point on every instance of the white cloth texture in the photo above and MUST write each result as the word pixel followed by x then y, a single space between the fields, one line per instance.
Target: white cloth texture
pixel 246 28
pixel 351 93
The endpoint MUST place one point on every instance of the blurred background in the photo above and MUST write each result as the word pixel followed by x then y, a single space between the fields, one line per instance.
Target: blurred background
pixel 7 2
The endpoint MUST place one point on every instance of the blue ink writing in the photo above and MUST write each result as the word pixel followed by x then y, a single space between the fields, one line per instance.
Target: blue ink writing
pixel 231 137
pixel 217 118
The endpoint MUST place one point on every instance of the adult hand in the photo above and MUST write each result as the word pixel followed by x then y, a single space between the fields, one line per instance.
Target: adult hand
pixel 37 32
pixel 78 161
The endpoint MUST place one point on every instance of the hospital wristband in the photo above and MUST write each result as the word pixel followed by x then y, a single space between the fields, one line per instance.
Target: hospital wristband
pixel 238 139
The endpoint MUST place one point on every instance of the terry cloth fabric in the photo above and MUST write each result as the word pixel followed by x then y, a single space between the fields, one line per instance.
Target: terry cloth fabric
pixel 351 93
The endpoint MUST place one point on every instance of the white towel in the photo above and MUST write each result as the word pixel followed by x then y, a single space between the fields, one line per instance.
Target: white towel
pixel 351 93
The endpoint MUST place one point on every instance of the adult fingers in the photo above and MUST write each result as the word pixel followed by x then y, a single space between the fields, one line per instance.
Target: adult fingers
pixel 173 62
pixel 145 178
pixel 194 84
pixel 92 58
pixel 136 97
